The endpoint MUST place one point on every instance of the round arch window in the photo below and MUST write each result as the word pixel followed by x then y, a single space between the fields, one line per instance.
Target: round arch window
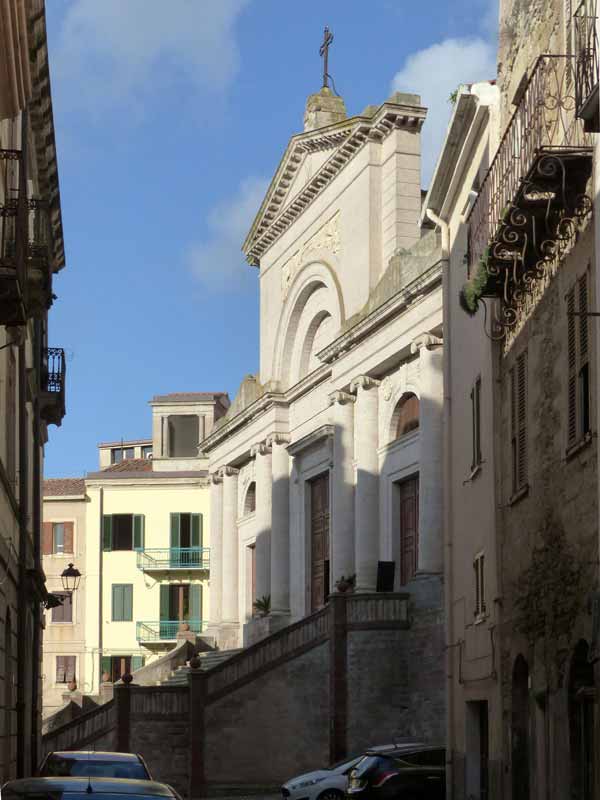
pixel 406 415
pixel 250 499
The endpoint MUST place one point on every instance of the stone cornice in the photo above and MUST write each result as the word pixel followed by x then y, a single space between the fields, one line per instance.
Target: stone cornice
pixel 260 449
pixel 324 432
pixel 341 397
pixel 276 215
pixel 396 304
pixel 426 340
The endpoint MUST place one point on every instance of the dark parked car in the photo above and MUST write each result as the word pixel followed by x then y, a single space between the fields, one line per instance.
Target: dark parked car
pixel 85 788
pixel 417 773
pixel 95 764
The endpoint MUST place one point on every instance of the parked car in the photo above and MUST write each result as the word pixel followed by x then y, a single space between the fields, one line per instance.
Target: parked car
pixel 329 783
pixel 95 764
pixel 407 773
pixel 83 788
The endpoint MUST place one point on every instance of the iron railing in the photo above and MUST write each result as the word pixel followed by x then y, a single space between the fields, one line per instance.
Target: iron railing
pixel 166 558
pixel 166 630
pixel 545 120
pixel 586 54
pixel 53 370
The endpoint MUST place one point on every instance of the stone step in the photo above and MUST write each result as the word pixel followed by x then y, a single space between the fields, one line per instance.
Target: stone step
pixel 208 661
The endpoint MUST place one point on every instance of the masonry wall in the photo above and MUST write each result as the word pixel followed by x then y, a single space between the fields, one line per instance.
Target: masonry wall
pixel 273 728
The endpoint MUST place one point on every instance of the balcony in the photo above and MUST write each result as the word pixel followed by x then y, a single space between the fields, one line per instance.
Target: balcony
pixel 163 632
pixel 532 202
pixel 587 66
pixel 174 558
pixel 13 215
pixel 53 377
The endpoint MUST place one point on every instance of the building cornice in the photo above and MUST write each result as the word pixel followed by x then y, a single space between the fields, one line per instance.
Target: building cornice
pixel 276 215
pixel 312 438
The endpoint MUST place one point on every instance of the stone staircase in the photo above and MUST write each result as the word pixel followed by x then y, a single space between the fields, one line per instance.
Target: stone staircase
pixel 208 660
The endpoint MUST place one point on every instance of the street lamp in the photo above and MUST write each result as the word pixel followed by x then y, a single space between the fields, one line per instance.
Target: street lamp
pixel 70 578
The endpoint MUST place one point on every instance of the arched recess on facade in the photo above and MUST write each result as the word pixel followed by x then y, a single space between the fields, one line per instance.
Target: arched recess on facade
pixel 312 316
pixel 581 722
pixel 249 505
pixel 7 697
pixel 405 416
pixel 520 727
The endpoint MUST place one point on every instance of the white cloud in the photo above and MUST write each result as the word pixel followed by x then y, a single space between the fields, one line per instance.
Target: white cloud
pixel 435 73
pixel 115 52
pixel 218 262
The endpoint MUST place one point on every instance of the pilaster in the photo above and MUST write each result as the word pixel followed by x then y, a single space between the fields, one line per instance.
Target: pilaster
pixel 280 525
pixel 216 548
pixel 342 486
pixel 230 605
pixel 261 452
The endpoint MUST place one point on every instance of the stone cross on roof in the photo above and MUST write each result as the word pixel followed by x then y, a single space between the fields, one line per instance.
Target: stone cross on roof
pixel 324 53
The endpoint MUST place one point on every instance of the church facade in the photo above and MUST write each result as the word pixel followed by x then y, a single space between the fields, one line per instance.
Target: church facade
pixel 326 470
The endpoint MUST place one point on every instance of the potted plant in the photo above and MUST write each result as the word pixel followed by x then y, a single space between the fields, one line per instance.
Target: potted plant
pixel 344 584
pixel 262 605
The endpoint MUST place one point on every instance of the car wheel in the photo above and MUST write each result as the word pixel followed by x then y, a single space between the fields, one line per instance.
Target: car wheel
pixel 331 794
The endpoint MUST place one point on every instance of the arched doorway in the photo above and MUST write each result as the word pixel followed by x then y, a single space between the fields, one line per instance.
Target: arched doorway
pixel 520 730
pixel 581 723
pixel 7 699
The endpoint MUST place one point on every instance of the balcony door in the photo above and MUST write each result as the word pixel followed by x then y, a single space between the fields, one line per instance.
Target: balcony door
pixel 319 541
pixel 186 540
pixel 179 603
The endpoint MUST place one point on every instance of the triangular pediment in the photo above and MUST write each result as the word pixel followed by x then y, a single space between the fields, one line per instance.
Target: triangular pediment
pixel 313 159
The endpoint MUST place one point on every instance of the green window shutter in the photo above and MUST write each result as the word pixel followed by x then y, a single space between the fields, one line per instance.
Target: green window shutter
pixel 195 601
pixel 137 662
pixel 105 665
pixel 138 531
pixel 164 601
pixel 117 602
pixel 175 527
pixel 128 602
pixel 107 532
pixel 197 530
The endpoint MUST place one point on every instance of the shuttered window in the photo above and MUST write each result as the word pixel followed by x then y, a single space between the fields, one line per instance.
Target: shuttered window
pixel 57 538
pixel 63 613
pixel 578 380
pixel 122 602
pixel 65 669
pixel 518 422
pixel 123 532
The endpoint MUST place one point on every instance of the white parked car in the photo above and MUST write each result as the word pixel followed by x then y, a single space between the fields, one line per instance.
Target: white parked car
pixel 326 784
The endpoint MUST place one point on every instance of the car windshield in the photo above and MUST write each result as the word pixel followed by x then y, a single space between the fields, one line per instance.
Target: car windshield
pixel 365 764
pixel 342 766
pixel 61 767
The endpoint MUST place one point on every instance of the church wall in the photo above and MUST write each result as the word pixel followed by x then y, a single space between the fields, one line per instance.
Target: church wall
pixel 284 713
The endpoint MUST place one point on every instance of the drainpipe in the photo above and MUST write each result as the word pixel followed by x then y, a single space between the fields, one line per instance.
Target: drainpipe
pixel 447 494
pixel 100 564
pixel 22 592
pixel 37 534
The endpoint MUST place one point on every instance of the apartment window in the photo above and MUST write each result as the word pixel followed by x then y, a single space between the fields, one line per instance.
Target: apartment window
pixel 117 666
pixel 63 613
pixel 147 451
pixel 186 530
pixel 122 602
pixel 57 538
pixel 118 454
pixel 123 532
pixel 518 423
pixel 479 569
pixel 476 423
pixel 578 391
pixel 65 669
pixel 184 435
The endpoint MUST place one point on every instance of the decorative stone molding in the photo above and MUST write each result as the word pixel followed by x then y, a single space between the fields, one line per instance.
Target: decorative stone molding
pixel 312 438
pixel 387 388
pixel 216 477
pixel 326 238
pixel 278 438
pixel 426 340
pixel 363 382
pixel 341 397
pixel 260 449
pixel 229 472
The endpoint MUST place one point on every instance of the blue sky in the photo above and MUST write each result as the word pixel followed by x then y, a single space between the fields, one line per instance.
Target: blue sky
pixel 170 120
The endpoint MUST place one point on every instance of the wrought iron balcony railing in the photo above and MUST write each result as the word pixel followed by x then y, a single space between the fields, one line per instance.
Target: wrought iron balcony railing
pixel 587 69
pixel 533 198
pixel 166 630
pixel 167 558
pixel 53 377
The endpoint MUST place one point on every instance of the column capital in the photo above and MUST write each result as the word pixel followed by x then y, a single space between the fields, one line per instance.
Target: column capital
pixel 278 438
pixel 260 449
pixel 364 382
pixel 228 472
pixel 216 478
pixel 426 340
pixel 341 397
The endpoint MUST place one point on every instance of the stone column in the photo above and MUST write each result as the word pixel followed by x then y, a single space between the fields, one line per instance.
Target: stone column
pixel 280 526
pixel 216 548
pixel 342 487
pixel 366 541
pixel 230 605
pixel 264 489
pixel 430 556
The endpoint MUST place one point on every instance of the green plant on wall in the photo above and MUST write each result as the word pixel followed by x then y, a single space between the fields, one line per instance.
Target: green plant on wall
pixel 549 595
pixel 262 605
pixel 475 288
